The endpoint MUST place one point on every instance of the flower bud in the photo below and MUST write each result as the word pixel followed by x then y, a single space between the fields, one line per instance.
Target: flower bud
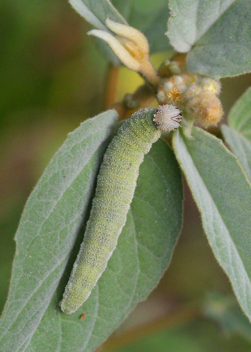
pixel 130 46
pixel 194 95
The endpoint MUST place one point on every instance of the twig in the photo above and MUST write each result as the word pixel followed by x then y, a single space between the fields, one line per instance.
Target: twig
pixel 111 86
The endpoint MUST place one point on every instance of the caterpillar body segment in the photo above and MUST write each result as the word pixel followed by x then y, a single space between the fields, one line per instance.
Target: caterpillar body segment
pixel 116 184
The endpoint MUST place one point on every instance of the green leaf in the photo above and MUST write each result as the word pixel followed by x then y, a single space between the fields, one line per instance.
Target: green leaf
pixel 239 117
pixel 126 8
pixel 143 253
pixel 150 17
pixel 217 33
pixel 240 146
pixel 238 134
pixel 48 228
pixel 223 196
pixel 156 29
pixel 96 12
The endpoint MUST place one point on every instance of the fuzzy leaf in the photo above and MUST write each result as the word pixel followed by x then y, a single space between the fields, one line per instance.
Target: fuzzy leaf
pixel 239 117
pixel 215 33
pixel 96 12
pixel 240 146
pixel 156 29
pixel 223 196
pixel 48 229
pixel 150 17
pixel 238 134
pixel 143 253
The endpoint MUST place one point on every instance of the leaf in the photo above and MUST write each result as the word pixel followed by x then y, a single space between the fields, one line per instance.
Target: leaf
pixel 240 146
pixel 215 33
pixel 223 196
pixel 150 17
pixel 190 20
pixel 48 228
pixel 238 134
pixel 96 12
pixel 156 29
pixel 143 253
pixel 240 115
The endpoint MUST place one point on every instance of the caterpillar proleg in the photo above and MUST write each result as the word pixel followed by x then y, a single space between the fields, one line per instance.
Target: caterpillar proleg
pixel 116 184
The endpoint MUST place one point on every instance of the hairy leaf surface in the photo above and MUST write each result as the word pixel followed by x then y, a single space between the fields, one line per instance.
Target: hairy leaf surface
pixel 150 17
pixel 216 34
pixel 49 226
pixel 238 134
pixel 143 253
pixel 223 196
pixel 96 12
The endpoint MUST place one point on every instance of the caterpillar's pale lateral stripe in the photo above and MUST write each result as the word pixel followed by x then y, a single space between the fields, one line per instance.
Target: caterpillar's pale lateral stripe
pixel 115 189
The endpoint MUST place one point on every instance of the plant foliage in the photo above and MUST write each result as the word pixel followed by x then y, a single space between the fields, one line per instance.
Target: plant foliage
pixel 215 35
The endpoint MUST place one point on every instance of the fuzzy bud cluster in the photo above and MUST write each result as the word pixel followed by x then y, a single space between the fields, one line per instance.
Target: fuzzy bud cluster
pixel 196 96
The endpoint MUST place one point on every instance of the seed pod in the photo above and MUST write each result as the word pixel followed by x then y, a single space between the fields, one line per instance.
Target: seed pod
pixel 115 189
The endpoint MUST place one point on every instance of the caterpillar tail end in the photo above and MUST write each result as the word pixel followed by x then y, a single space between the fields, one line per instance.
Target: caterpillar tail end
pixel 74 298
pixel 66 308
pixel 71 302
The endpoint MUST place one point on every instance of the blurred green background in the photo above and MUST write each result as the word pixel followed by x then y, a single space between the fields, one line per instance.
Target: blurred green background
pixel 52 78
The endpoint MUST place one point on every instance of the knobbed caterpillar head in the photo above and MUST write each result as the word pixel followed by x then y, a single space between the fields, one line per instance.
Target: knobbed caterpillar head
pixel 167 118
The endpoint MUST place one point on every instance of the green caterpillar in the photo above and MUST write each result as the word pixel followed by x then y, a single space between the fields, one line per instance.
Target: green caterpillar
pixel 115 189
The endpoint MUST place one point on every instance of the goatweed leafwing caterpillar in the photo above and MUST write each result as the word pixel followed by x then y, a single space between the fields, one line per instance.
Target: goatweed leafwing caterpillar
pixel 115 189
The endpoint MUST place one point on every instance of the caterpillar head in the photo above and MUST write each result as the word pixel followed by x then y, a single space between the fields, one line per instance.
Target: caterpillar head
pixel 167 118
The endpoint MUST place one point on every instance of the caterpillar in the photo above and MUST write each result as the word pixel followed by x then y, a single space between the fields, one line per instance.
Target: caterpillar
pixel 116 184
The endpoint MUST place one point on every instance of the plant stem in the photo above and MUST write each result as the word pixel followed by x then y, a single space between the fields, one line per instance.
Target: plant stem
pixel 111 86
